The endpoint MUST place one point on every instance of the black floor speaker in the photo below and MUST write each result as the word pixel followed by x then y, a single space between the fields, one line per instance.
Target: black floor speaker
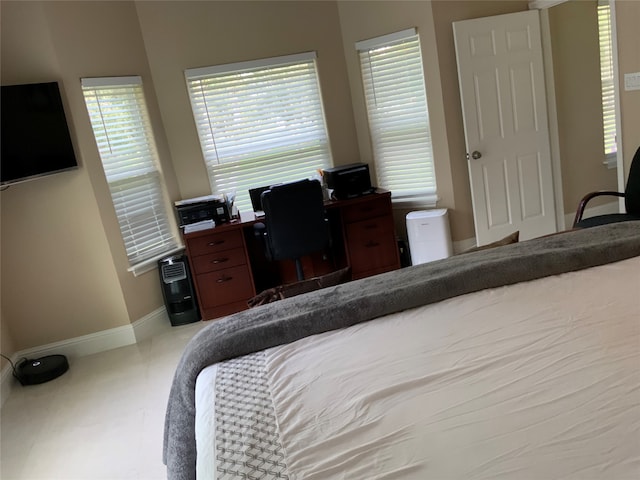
pixel 41 370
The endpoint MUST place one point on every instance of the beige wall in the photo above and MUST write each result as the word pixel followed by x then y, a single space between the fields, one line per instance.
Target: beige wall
pixel 76 282
pixel 6 342
pixel 95 39
pixel 445 13
pixel 64 270
pixel 576 68
pixel 58 275
pixel 182 35
pixel 364 20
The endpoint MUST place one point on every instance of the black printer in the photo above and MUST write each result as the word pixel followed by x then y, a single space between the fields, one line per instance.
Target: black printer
pixel 210 207
pixel 348 181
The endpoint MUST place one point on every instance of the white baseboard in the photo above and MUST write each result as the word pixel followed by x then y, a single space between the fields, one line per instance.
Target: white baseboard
pixel 462 245
pixel 151 324
pixel 6 381
pixel 142 329
pixel 85 344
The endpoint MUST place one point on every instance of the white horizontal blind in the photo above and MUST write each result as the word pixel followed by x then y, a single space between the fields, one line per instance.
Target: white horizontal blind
pixel 396 101
pixel 606 77
pixel 259 123
pixel 121 126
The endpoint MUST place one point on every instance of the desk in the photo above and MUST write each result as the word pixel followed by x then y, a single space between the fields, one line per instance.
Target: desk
pixel 229 266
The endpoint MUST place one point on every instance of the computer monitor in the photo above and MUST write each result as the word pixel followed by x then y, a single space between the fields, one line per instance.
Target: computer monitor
pixel 256 201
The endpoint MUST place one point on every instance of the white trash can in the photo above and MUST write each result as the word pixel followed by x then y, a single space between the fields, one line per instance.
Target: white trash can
pixel 429 235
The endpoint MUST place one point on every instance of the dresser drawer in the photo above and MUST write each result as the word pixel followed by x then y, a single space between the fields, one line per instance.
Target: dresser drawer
pixel 371 245
pixel 369 209
pixel 215 242
pixel 224 286
pixel 219 260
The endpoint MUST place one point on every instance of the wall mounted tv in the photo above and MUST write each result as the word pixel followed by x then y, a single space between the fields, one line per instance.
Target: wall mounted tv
pixel 35 138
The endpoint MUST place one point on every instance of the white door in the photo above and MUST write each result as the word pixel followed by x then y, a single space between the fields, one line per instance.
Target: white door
pixel 501 78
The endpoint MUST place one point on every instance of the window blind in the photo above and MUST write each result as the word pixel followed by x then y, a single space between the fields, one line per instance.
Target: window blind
pixel 259 123
pixel 395 93
pixel 122 130
pixel 606 77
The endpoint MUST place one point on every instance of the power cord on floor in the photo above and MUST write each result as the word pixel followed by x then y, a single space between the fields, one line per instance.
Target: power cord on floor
pixel 13 367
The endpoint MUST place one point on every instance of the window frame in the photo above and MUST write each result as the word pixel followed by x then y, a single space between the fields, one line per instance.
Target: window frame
pixel 271 153
pixel 416 118
pixel 132 168
pixel 607 82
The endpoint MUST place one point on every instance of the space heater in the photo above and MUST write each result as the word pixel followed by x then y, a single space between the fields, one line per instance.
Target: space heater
pixel 177 290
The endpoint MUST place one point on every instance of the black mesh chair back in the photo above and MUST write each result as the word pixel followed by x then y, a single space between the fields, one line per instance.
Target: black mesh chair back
pixel 295 221
pixel 632 190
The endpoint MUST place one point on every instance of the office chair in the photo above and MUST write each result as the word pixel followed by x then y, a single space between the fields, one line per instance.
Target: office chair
pixel 631 201
pixel 295 221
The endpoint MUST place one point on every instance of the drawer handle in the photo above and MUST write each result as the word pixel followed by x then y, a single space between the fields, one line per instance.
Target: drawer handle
pixel 224 279
pixel 220 260
pixel 371 244
pixel 215 242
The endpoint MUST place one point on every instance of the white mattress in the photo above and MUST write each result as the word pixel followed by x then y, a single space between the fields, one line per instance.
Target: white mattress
pixel 537 380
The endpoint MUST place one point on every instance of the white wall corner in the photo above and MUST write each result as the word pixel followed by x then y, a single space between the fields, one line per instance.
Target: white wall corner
pixel 462 245
pixel 152 324
pixel 71 348
pixel 544 4
pixel 85 344
pixel 6 382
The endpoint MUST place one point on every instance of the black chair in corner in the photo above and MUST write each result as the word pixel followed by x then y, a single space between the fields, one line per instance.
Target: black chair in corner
pixel 295 221
pixel 631 201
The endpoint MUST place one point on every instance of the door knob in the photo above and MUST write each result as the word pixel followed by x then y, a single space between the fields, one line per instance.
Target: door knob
pixel 476 155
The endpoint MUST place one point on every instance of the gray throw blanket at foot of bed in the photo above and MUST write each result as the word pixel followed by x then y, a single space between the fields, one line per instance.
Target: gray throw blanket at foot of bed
pixel 351 303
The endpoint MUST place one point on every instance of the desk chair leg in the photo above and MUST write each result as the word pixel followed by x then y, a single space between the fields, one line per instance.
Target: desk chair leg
pixel 299 272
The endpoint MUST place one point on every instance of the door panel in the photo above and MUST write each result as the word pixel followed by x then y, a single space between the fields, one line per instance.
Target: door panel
pixel 495 191
pixel 488 101
pixel 505 120
pixel 530 186
pixel 524 108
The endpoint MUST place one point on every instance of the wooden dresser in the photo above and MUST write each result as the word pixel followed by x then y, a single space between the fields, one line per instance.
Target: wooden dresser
pixel 221 270
pixel 369 235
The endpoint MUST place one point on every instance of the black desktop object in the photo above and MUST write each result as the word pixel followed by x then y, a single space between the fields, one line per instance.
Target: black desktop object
pixel 177 290
pixel 209 207
pixel 348 181
pixel 255 194
pixel 41 370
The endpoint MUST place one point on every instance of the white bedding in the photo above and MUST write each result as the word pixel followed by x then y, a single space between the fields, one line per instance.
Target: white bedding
pixel 536 380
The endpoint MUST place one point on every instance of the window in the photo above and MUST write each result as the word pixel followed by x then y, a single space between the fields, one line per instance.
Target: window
pixel 396 101
pixel 259 123
pixel 606 77
pixel 121 126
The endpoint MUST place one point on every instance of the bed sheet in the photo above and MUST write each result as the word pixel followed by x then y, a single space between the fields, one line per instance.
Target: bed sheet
pixel 534 380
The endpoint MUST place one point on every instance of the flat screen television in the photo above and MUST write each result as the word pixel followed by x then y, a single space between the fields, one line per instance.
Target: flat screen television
pixel 35 139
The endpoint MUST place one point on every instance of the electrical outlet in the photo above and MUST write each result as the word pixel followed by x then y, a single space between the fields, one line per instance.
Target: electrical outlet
pixel 632 81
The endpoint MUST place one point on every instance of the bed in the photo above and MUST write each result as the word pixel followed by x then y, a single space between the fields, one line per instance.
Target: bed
pixel 515 362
